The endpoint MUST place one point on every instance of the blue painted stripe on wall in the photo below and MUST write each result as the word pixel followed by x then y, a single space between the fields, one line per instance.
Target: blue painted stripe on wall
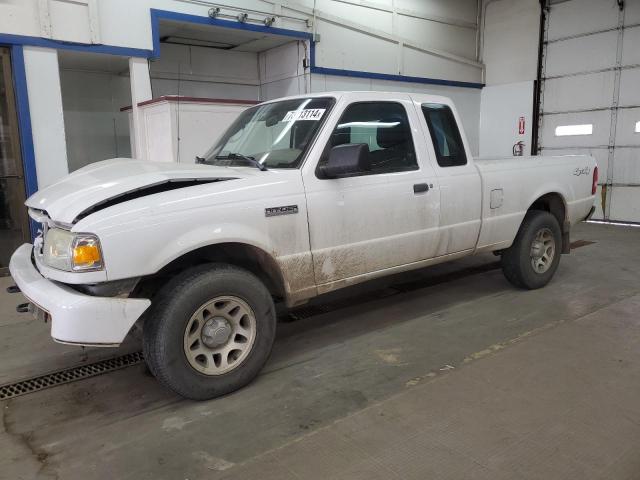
pixel 312 54
pixel 396 78
pixel 8 39
pixel 24 118
pixel 24 125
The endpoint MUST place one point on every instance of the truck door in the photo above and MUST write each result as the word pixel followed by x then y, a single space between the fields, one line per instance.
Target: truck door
pixel 384 217
pixel 460 183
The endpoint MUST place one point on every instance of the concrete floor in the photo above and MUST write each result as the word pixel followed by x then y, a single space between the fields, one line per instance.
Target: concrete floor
pixel 458 376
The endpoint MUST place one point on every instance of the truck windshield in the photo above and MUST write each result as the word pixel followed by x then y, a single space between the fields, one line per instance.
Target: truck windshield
pixel 274 135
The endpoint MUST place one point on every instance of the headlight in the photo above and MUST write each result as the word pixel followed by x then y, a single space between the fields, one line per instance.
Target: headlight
pixel 75 252
pixel 57 249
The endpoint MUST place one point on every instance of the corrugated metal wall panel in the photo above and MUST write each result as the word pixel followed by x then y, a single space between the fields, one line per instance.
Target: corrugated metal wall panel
pixel 591 74
pixel 588 92
pixel 582 54
pixel 579 17
pixel 630 88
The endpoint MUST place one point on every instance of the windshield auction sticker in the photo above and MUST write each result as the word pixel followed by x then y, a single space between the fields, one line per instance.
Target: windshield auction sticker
pixel 306 114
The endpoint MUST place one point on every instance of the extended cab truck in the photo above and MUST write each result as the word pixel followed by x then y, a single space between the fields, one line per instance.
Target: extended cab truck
pixel 301 196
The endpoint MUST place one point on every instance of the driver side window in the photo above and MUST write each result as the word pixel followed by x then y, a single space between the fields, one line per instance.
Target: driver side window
pixel 384 128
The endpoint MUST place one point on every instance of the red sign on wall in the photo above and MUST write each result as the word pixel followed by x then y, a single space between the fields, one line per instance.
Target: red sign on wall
pixel 521 126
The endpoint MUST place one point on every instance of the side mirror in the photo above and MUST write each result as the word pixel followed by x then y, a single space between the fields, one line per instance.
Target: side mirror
pixel 345 160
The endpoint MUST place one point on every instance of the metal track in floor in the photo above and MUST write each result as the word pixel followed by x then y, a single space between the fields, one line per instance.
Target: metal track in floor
pixel 67 375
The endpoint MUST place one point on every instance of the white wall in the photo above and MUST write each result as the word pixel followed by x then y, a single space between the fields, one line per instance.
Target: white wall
pixel 511 37
pixel 205 72
pixel 45 105
pixel 281 71
pixel 510 54
pixel 432 38
pixel 500 111
pixel 429 38
pixel 20 17
pixel 211 73
pixel 73 21
pixel 95 127
pixel 425 38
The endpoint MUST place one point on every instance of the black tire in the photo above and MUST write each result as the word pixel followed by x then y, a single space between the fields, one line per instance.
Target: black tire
pixel 171 312
pixel 517 260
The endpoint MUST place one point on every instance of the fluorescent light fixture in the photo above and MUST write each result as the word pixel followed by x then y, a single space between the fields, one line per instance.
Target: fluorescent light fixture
pixel 565 130
pixel 637 127
pixel 196 42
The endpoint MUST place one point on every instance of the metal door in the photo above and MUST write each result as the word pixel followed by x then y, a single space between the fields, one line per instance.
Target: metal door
pixel 590 77
pixel 14 229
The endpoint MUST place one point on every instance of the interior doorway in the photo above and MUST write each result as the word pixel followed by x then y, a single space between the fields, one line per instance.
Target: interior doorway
pixel 14 225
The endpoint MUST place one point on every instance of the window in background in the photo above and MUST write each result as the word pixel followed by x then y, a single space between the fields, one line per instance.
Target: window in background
pixel 567 130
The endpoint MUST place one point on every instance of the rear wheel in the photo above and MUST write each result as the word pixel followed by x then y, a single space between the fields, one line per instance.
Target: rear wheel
pixel 533 258
pixel 210 331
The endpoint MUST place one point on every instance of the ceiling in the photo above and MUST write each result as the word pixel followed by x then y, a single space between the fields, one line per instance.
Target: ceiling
pixel 72 60
pixel 219 37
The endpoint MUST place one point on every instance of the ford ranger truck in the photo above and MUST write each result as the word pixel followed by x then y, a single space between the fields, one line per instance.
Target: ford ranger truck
pixel 299 197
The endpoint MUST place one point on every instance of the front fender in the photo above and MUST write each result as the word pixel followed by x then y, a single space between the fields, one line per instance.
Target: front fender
pixel 205 235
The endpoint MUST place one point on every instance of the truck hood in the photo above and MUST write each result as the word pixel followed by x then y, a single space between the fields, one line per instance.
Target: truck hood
pixel 106 183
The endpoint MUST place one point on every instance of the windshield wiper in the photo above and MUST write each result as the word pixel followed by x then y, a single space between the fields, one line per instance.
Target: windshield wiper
pixel 251 160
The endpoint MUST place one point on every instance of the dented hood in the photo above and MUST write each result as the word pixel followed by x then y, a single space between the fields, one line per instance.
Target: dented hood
pixel 106 181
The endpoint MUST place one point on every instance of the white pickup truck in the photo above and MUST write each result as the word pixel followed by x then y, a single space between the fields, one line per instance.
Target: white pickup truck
pixel 300 196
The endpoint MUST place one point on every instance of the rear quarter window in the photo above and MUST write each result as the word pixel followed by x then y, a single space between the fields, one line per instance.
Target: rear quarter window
pixel 445 135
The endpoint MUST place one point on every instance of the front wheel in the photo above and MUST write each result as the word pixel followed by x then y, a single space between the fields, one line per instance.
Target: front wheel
pixel 533 258
pixel 210 331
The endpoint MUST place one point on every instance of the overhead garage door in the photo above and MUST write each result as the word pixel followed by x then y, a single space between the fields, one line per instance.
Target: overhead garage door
pixel 591 89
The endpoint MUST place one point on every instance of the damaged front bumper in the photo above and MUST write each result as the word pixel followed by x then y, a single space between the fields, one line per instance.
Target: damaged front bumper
pixel 76 318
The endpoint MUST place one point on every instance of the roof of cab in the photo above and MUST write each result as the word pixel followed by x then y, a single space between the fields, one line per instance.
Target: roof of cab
pixel 378 95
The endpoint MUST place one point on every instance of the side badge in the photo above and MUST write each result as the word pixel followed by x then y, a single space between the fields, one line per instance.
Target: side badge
pixel 276 211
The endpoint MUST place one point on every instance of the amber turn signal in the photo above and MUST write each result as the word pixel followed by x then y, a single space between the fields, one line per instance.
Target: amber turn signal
pixel 86 255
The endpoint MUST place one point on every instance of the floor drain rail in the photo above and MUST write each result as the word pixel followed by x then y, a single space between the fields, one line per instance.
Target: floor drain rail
pixel 68 375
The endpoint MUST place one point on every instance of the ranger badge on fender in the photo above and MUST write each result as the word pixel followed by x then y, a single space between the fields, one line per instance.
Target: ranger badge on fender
pixel 275 211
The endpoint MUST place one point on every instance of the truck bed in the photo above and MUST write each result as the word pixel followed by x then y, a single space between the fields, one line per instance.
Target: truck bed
pixel 510 184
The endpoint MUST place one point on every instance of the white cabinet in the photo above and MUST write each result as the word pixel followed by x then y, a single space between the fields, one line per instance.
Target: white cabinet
pixel 176 129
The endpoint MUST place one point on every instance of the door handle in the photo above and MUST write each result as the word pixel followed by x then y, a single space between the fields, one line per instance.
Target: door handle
pixel 420 187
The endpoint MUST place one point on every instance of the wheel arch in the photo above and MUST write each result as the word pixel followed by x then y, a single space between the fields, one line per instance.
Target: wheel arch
pixel 243 255
pixel 556 205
